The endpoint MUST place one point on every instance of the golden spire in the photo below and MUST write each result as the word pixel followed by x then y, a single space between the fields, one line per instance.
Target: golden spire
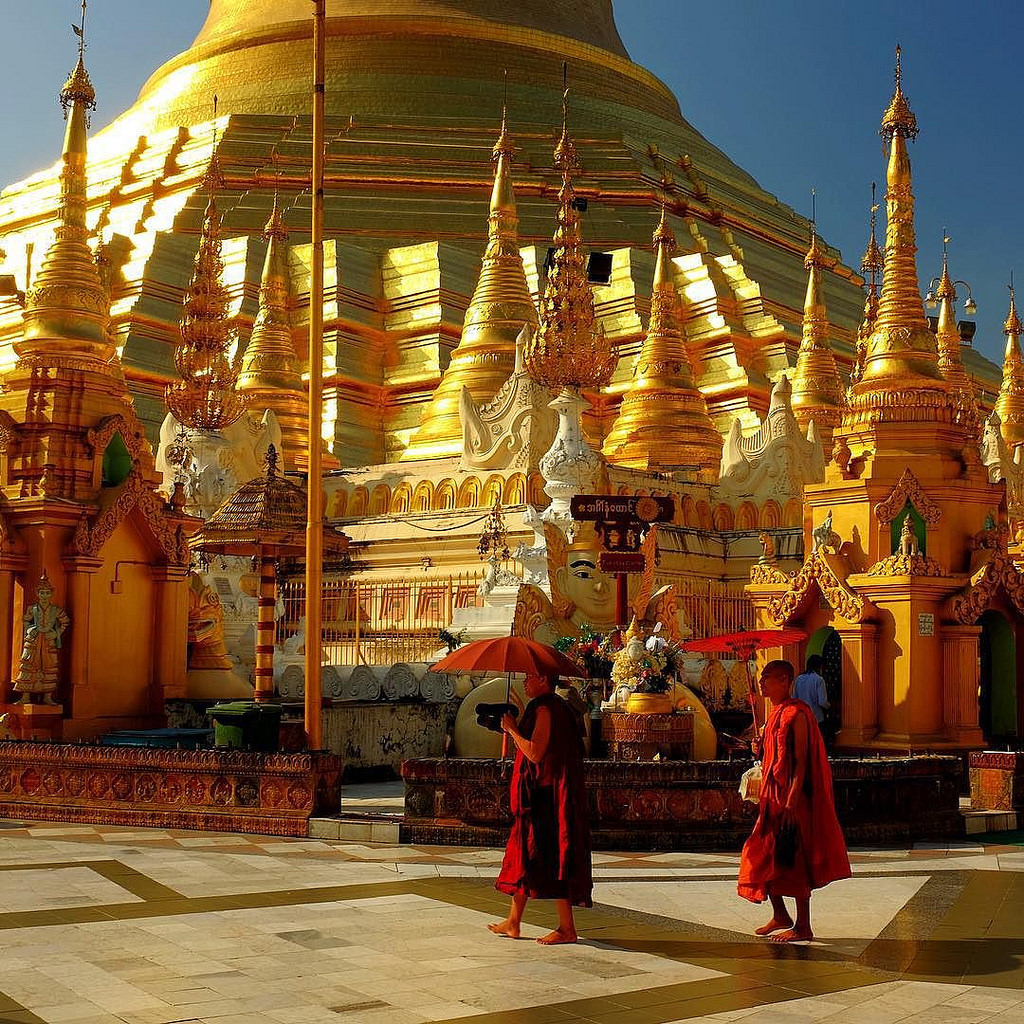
pixel 965 406
pixel 270 375
pixel 871 264
pixel 67 309
pixel 663 421
pixel 501 305
pixel 570 350
pixel 206 397
pixel 901 378
pixel 1010 403
pixel 818 390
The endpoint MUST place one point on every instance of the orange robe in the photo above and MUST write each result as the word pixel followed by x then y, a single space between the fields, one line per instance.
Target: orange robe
pixel 791 853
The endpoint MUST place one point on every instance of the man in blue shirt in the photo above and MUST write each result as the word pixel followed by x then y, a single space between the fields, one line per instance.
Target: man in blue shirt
pixel 809 687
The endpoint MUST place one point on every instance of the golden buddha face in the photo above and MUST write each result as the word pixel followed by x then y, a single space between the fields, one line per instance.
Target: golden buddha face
pixel 591 591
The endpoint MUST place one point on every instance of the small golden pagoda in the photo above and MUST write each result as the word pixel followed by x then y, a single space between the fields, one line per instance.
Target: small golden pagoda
pixel 903 557
pixel 951 365
pixel 871 265
pixel 500 306
pixel 663 422
pixel 270 375
pixel 1010 403
pixel 79 504
pixel 818 390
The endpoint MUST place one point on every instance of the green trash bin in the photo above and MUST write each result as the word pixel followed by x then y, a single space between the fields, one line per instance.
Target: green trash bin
pixel 246 725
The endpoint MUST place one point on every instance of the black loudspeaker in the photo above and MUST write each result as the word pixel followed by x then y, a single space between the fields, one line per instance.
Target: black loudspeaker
pixel 599 267
pixel 580 203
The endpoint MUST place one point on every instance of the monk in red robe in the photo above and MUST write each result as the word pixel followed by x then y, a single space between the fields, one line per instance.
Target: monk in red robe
pixel 796 845
pixel 548 852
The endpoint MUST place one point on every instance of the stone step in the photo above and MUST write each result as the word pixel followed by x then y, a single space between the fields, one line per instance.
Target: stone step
pixel 358 828
pixel 978 822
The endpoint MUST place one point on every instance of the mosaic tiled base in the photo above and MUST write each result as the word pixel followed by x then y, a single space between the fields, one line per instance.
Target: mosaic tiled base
pixel 681 805
pixel 229 790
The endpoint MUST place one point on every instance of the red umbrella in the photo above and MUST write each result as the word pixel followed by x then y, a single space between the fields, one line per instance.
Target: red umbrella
pixel 742 645
pixel 509 654
pixel 744 642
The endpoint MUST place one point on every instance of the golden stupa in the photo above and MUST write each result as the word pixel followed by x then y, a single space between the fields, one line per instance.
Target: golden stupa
pixel 414 93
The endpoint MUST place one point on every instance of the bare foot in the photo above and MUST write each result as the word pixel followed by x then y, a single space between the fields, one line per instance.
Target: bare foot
pixel 793 936
pixel 558 938
pixel 774 925
pixel 507 929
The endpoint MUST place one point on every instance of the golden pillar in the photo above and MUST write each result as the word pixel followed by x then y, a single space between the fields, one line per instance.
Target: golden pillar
pixel 264 672
pixel 314 446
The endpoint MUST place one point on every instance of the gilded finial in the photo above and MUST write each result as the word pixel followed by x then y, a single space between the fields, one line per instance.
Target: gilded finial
pixel 78 88
pixel 504 143
pixel 898 118
pixel 873 259
pixel 1012 324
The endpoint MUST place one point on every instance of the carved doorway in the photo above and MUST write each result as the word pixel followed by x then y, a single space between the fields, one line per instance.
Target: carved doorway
pixel 997 691
pixel 827 643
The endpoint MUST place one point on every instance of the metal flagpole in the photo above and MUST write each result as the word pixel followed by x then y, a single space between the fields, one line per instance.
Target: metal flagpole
pixel 314 485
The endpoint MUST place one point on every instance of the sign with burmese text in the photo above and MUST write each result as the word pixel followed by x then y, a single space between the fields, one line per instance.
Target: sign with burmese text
pixel 595 508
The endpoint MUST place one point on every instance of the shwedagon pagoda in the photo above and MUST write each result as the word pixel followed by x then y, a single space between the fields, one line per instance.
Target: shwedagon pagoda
pixel 540 282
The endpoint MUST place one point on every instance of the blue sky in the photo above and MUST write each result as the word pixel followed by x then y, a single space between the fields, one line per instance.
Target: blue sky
pixel 792 90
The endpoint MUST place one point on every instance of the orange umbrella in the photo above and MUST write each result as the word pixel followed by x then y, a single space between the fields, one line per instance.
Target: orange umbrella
pixel 509 654
pixel 742 645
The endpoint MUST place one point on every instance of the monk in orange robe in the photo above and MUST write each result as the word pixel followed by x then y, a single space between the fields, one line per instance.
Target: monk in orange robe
pixel 796 845
pixel 548 852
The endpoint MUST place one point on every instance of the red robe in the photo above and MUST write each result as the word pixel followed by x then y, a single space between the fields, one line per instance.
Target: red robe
pixel 789 854
pixel 547 856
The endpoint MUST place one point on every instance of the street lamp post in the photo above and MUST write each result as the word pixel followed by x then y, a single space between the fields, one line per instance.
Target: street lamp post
pixel 314 517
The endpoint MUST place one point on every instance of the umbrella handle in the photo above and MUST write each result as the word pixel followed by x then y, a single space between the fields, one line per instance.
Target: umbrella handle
pixel 505 738
pixel 753 700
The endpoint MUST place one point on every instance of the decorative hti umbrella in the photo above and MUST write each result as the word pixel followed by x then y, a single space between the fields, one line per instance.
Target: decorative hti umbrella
pixel 742 644
pixel 265 519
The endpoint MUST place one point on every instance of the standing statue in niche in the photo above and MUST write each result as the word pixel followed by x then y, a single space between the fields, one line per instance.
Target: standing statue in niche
pixel 45 624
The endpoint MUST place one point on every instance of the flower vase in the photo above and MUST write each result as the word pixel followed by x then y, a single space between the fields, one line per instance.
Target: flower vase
pixel 649 704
